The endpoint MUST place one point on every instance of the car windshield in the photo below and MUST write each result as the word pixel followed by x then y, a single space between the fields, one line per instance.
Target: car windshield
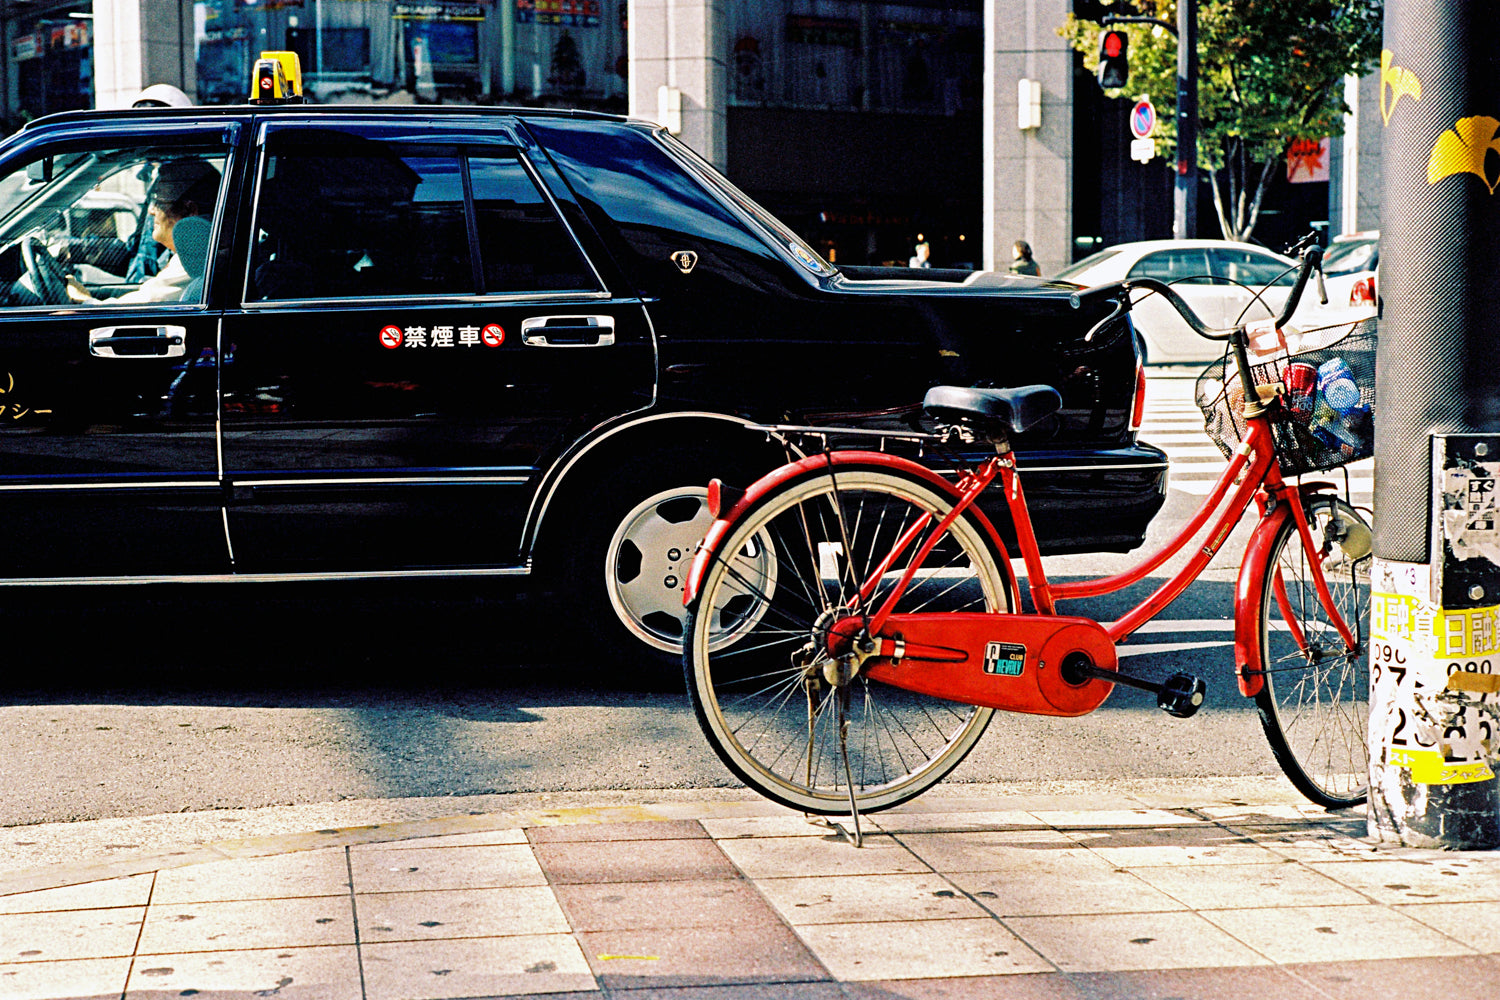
pixel 1087 262
pixel 1350 256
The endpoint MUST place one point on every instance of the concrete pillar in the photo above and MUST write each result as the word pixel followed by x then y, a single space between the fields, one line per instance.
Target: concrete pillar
pixel 1435 621
pixel 141 42
pixel 1028 175
pixel 680 43
pixel 1354 197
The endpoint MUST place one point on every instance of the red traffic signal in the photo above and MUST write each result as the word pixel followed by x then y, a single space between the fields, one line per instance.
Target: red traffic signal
pixel 1114 59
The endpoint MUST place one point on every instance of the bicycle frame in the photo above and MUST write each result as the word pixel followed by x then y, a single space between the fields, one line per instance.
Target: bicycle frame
pixel 1252 472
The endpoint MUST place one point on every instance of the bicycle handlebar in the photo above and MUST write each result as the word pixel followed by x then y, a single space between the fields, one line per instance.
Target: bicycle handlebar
pixel 1119 293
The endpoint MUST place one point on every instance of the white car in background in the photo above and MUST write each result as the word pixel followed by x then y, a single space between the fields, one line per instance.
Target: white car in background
pixel 1225 282
pixel 1350 266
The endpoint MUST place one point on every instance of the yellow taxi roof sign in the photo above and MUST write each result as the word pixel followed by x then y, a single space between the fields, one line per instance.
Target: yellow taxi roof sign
pixel 277 79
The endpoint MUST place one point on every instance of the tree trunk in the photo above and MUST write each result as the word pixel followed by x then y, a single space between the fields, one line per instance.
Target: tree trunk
pixel 1237 215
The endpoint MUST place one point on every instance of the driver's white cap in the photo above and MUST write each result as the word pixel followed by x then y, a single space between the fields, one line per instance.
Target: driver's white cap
pixel 162 95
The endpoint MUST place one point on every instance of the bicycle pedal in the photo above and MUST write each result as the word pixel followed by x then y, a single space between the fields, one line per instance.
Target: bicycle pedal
pixel 1181 695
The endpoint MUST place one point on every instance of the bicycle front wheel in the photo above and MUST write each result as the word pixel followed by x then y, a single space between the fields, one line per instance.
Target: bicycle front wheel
pixel 762 697
pixel 1315 704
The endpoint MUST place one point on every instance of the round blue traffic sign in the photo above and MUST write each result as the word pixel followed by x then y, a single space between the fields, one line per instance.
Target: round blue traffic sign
pixel 1142 120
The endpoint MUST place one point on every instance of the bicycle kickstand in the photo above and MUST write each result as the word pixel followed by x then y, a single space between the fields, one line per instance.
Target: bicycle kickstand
pixel 843 697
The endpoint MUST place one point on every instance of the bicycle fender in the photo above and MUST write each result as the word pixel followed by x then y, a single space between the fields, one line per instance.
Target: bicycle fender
pixel 719 530
pixel 1250 586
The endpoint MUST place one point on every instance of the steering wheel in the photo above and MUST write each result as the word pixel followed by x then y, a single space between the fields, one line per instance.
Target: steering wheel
pixel 48 278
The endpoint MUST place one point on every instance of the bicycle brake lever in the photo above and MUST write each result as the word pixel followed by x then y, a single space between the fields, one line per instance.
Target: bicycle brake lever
pixel 1322 286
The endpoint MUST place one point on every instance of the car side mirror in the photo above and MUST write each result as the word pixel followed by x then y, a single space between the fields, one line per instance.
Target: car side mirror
pixel 39 171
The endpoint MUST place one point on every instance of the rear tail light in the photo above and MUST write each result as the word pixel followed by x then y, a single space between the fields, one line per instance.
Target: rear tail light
pixel 1362 292
pixel 1138 408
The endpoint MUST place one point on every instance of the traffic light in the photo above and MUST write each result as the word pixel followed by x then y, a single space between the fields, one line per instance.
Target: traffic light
pixel 1114 59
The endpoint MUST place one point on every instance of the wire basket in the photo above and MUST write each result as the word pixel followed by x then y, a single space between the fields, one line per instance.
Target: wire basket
pixel 1324 417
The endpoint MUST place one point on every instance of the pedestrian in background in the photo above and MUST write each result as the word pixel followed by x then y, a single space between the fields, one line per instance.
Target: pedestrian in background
pixel 922 253
pixel 1022 261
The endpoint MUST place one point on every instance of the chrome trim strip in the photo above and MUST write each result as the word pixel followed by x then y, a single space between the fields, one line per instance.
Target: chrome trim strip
pixel 331 576
pixel 382 481
pixel 164 485
pixel 565 463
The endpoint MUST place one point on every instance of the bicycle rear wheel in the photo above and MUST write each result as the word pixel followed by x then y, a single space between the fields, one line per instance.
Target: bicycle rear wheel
pixel 763 699
pixel 1315 705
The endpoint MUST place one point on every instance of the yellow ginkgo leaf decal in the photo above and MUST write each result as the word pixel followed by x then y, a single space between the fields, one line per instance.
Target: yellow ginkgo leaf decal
pixel 1399 80
pixel 1463 148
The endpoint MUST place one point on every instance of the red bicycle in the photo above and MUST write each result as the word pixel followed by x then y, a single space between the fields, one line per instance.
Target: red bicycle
pixel 854 617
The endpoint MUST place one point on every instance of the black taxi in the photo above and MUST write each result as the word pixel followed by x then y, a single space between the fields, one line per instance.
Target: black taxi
pixel 275 343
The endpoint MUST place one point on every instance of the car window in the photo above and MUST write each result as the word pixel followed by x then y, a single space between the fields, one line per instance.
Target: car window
pixel 1351 256
pixel 1252 270
pixel 1175 267
pixel 1083 265
pixel 109 227
pixel 523 245
pixel 350 217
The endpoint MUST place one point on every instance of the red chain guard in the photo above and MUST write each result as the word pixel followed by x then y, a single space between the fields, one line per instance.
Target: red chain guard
pixel 1009 662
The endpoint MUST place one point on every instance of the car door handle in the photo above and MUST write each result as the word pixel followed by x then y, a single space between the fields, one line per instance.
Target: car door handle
pixel 138 341
pixel 568 331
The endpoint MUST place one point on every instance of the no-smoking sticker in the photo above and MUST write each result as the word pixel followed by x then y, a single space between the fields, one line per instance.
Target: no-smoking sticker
pixel 390 336
pixel 493 335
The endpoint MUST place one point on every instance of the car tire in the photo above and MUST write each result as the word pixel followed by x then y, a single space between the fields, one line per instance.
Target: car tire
pixel 621 566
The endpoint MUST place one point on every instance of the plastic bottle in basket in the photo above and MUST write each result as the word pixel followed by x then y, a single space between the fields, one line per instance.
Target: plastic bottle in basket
pixel 1301 390
pixel 1337 387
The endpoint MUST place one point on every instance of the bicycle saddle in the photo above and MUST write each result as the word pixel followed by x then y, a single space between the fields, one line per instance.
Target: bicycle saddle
pixel 1017 409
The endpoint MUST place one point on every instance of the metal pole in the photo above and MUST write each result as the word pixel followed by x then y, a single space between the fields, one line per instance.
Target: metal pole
pixel 1435 587
pixel 1185 191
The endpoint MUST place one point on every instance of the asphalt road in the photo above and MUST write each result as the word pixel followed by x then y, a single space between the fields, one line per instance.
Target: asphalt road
pixel 169 701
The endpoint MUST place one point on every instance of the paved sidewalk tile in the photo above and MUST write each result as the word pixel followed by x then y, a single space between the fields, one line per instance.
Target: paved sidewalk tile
pixel 917 949
pixel 1017 986
pixel 489 867
pixel 1436 879
pixel 633 861
pixel 957 822
pixel 1333 933
pixel 482 838
pixel 1064 884
pixel 286 974
pixel 305 873
pixel 788 825
pixel 45 937
pixel 132 891
pixel 1194 845
pixel 1223 887
pixel 1308 845
pixel 992 850
pixel 676 829
pixel 789 857
pixel 88 977
pixel 867 898
pixel 1087 819
pixel 630 906
pixel 1475 924
pixel 458 913
pixel 698 956
pixel 1453 978
pixel 1258 982
pixel 474 967
pixel 1132 941
pixel 254 923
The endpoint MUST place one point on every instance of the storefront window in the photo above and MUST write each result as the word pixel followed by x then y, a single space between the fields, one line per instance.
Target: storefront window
pixel 51 61
pixel 871 56
pixel 562 52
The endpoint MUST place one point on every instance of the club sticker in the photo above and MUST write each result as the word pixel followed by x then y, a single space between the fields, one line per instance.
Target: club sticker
pixel 489 335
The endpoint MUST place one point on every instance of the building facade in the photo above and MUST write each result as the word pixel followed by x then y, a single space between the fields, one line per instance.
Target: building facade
pixel 866 125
